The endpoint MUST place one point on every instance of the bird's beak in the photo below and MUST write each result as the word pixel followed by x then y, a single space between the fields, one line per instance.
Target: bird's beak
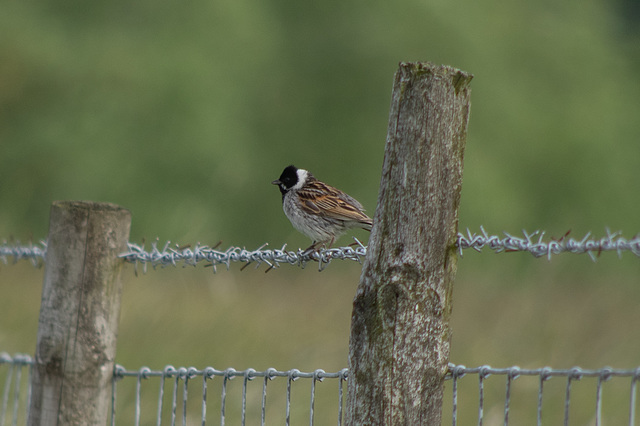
pixel 276 182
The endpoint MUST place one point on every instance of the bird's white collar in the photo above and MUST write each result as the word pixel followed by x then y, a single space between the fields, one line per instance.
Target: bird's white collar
pixel 302 178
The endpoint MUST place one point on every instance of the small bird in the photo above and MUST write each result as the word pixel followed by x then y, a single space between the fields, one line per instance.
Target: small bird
pixel 319 211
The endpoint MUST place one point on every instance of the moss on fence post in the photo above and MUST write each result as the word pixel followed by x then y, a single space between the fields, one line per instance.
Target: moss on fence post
pixel 78 326
pixel 400 335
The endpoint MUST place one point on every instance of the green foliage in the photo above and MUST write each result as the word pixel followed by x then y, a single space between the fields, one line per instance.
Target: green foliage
pixel 185 111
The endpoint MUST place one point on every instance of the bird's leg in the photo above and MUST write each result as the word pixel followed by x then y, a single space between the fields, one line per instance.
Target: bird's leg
pixel 331 242
pixel 311 247
pixel 327 247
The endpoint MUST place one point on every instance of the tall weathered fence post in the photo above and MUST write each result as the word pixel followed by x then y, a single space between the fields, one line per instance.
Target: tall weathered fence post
pixel 79 314
pixel 399 347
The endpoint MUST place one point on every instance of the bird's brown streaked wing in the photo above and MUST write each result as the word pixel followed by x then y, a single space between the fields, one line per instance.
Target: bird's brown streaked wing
pixel 325 200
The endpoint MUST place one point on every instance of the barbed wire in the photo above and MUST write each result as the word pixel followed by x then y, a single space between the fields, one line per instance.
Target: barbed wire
pixel 173 254
pixel 35 253
pixel 533 243
pixel 210 256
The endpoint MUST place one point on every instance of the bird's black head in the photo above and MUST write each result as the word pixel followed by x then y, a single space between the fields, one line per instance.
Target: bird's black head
pixel 288 179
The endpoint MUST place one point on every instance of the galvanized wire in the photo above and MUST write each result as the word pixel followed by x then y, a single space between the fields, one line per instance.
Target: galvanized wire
pixel 16 390
pixel 535 244
pixel 13 384
pixel 15 251
pixel 175 255
pixel 457 372
pixel 167 254
pixel 185 375
pixel 532 243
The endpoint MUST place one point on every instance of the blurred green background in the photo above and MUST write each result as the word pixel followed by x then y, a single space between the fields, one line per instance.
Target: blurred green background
pixel 184 112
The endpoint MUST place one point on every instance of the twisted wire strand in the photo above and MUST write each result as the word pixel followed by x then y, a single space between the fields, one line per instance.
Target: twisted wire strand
pixel 174 255
pixel 534 243
pixel 35 253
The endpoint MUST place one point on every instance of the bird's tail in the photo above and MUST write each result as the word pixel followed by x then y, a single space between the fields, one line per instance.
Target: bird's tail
pixel 366 224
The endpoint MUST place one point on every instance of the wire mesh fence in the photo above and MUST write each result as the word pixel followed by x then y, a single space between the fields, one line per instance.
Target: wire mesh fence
pixel 551 396
pixel 478 395
pixel 15 374
pixel 189 395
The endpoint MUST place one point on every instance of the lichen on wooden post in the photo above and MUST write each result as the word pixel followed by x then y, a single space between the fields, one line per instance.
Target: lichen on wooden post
pixel 79 314
pixel 400 336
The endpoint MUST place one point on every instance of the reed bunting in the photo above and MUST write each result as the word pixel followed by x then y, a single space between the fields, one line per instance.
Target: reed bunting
pixel 319 211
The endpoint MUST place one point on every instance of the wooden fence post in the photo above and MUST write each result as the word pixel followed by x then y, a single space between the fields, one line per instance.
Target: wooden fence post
pixel 399 346
pixel 79 314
